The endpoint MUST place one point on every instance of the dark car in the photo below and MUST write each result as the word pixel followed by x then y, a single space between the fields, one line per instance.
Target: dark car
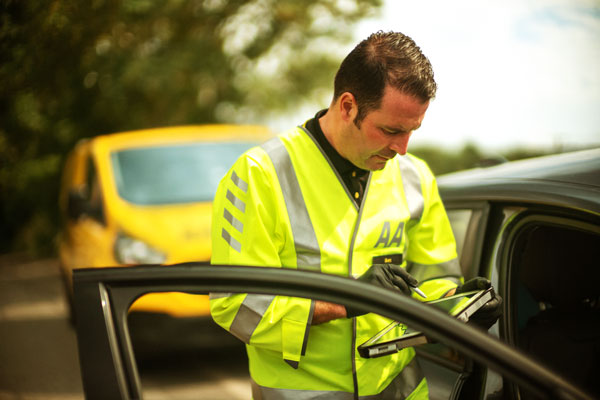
pixel 532 227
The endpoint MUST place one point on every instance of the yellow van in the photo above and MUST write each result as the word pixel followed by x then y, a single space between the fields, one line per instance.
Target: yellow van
pixel 145 197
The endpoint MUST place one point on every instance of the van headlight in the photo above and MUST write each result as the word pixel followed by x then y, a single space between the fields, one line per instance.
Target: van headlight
pixel 134 251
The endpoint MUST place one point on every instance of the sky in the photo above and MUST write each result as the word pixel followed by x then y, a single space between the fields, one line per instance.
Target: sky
pixel 510 73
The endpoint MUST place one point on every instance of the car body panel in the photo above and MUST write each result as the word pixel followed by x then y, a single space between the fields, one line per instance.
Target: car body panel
pixel 172 232
pixel 566 180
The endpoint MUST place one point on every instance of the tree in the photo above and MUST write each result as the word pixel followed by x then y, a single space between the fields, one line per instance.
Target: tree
pixel 70 70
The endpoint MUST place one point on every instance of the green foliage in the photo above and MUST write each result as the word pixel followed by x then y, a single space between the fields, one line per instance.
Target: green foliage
pixel 442 161
pixel 75 69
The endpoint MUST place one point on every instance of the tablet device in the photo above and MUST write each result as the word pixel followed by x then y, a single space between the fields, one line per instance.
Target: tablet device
pixel 397 336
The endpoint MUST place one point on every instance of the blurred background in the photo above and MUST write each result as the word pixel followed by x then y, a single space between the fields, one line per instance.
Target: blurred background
pixel 516 79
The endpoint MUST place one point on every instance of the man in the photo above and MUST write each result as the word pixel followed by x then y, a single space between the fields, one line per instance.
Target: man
pixel 338 195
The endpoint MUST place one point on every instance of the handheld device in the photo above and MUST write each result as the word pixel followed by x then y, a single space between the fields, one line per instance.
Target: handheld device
pixel 397 336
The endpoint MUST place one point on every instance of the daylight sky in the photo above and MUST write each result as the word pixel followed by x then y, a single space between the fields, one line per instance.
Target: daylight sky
pixel 510 72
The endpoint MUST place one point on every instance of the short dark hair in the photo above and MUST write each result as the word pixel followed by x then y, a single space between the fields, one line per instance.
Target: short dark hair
pixel 384 58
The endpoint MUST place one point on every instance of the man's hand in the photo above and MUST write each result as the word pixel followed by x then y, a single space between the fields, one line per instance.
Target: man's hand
pixel 489 313
pixel 388 276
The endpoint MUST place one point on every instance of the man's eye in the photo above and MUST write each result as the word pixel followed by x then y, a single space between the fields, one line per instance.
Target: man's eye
pixel 392 132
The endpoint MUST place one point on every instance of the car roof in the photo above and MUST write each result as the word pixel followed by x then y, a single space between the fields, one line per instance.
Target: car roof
pixel 181 134
pixel 567 180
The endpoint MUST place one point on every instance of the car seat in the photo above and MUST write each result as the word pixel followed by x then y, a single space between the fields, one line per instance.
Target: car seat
pixel 559 270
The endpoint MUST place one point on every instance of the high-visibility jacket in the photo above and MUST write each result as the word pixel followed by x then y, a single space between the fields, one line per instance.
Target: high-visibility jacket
pixel 282 205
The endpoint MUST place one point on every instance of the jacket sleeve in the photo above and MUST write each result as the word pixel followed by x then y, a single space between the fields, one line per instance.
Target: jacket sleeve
pixel 247 229
pixel 431 256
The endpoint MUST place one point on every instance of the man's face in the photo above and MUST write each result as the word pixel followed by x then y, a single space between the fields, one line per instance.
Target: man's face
pixel 384 132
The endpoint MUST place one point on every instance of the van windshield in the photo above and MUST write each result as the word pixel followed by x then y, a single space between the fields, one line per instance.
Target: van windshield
pixel 174 173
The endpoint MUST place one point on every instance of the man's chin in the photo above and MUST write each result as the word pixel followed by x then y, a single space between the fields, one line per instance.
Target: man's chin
pixel 376 163
pixel 376 166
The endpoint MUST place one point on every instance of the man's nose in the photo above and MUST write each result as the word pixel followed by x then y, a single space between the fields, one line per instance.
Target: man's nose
pixel 399 143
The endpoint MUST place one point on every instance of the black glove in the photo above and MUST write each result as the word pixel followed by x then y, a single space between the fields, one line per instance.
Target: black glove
pixel 489 313
pixel 388 276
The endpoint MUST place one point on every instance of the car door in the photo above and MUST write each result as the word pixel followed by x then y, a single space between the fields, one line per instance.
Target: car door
pixel 547 268
pixel 543 261
pixel 103 297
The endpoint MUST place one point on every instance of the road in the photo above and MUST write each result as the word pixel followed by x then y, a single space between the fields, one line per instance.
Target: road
pixel 38 350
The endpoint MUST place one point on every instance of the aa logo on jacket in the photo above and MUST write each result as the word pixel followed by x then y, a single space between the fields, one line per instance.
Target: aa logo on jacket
pixel 386 238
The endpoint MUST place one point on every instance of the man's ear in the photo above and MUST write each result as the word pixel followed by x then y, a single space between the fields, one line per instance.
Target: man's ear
pixel 348 107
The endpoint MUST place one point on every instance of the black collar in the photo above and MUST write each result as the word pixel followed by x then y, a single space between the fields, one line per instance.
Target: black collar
pixel 343 166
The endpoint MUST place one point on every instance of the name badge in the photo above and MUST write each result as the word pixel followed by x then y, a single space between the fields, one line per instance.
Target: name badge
pixel 388 259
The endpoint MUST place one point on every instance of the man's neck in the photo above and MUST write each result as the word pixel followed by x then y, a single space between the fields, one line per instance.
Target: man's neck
pixel 328 127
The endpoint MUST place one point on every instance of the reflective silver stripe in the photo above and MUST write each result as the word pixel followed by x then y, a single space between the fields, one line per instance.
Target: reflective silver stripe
pixel 423 272
pixel 249 315
pixel 411 182
pixel 266 393
pixel 308 253
pixel 403 385
pixel 239 204
pixel 239 182
pixel 236 223
pixel 214 296
pixel 231 240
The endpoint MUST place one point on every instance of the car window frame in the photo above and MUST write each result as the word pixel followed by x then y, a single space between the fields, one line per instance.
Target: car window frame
pixel 94 197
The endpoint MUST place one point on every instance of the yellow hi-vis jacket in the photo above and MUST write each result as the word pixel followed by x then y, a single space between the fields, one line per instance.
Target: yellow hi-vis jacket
pixel 282 205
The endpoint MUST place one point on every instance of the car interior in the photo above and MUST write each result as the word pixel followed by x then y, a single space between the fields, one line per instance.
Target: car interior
pixel 556 272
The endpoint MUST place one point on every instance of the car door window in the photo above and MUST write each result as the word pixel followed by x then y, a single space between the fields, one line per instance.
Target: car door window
pixel 459 220
pixel 468 223
pixel 92 193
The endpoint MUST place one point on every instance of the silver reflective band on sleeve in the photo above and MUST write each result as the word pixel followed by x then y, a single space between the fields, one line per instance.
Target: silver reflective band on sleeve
pixel 218 295
pixel 249 315
pixel 308 253
pixel 239 204
pixel 411 182
pixel 231 240
pixel 239 182
pixel 423 272
pixel 403 385
pixel 236 223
